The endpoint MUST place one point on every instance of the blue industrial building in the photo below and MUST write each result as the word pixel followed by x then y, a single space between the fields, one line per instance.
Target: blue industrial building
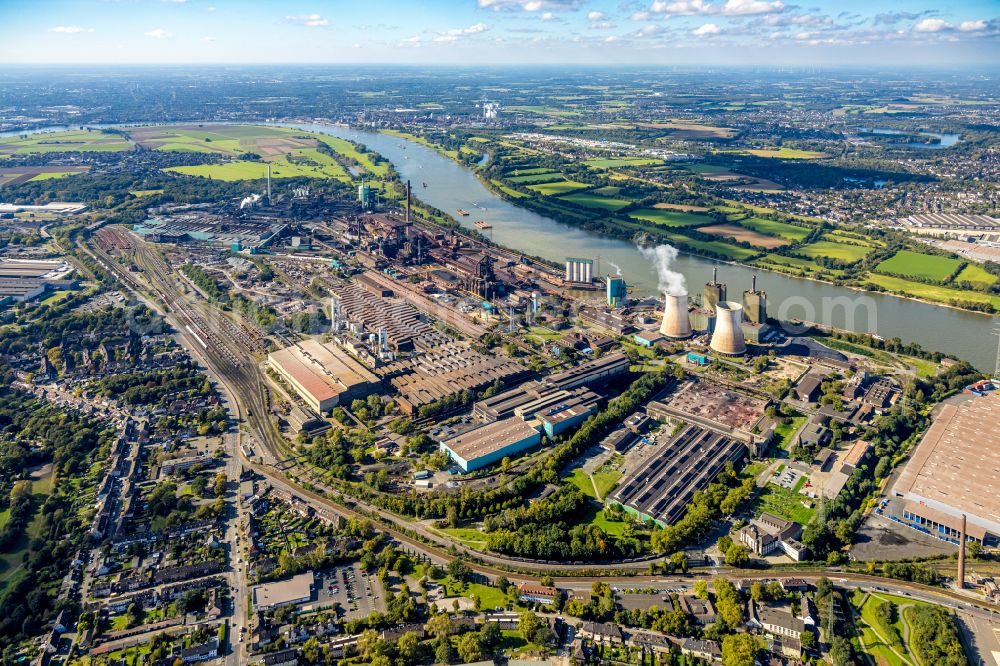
pixel 491 443
pixel 617 291
pixel 570 414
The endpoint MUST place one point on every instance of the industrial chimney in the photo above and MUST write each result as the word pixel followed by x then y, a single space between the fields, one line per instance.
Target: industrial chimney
pixel 960 582
pixel 676 322
pixel 407 202
pixel 728 336
pixel 268 184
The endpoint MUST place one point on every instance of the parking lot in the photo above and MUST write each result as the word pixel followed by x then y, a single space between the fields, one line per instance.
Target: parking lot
pixel 355 592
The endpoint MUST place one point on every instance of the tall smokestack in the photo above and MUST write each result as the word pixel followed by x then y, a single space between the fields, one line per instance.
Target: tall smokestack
pixel 268 184
pixel 676 322
pixel 753 282
pixel 715 275
pixel 728 335
pixel 407 201
pixel 960 581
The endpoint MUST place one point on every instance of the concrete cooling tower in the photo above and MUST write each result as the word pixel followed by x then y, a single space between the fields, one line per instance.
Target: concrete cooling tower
pixel 676 323
pixel 728 336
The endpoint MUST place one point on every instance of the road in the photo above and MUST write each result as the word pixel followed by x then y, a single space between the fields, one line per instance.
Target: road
pixel 202 329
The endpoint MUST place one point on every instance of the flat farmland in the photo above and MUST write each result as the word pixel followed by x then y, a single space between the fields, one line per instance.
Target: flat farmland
pixel 18 175
pixel 686 130
pixel 557 188
pixel 537 178
pixel 931 292
pixel 243 170
pixel 917 265
pixel 833 250
pixel 670 218
pixel 771 227
pixel 786 153
pixel 975 275
pixel 738 233
pixel 591 200
pixel 62 142
pixel 715 247
pixel 612 162
pixel 682 207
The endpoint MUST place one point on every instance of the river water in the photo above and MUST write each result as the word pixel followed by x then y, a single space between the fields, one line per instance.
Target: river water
pixel 451 186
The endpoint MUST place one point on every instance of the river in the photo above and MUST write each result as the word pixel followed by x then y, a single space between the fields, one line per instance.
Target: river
pixel 451 186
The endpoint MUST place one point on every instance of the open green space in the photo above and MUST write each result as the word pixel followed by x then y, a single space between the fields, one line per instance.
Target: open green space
pixel 670 218
pixel 514 194
pixel 536 178
pixel 606 480
pixel 774 228
pixel 931 292
pixel 833 250
pixel 918 265
pixel 532 171
pixel 715 247
pixel 976 276
pixel 783 503
pixel 612 527
pixel 612 162
pixel 783 433
pixel 49 175
pixel 470 536
pixel 785 153
pixel 60 142
pixel 591 200
pixel 556 188
pixel 145 193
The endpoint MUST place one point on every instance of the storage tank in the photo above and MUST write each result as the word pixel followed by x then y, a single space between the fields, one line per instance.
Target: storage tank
pixel 676 323
pixel 728 336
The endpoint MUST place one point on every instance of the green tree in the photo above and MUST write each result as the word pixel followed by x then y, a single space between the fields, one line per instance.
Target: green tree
pixel 445 653
pixel 470 648
pixel 440 626
pixel 409 647
pixel 739 650
pixel 701 589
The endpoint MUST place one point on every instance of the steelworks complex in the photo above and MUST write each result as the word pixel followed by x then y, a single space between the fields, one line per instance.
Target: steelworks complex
pixel 955 471
pixel 661 488
pixel 322 374
pixel 516 419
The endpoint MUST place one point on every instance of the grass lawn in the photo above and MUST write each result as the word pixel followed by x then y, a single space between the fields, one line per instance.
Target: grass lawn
pixel 833 250
pixel 916 264
pixel 581 480
pixel 596 201
pixel 470 536
pixel 783 503
pixel 49 175
pixel 536 178
pixel 613 527
pixel 532 171
pixel 716 247
pixel 490 598
pixel 245 170
pixel 771 227
pixel 670 218
pixel 852 348
pixel 559 187
pixel 58 142
pixel 606 480
pixel 785 431
pixel 514 194
pixel 931 292
pixel 976 275
pixel 612 162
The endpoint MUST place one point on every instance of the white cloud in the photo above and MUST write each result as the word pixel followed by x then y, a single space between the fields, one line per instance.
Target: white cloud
pixel 208 39
pixel 748 7
pixel 529 5
pixel 70 29
pixel 639 16
pixel 548 16
pixel 931 25
pixel 446 39
pixel 706 30
pixel 454 34
pixel 602 25
pixel 595 16
pixel 647 30
pixel 731 8
pixel 410 41
pixel 356 45
pixel 611 39
pixel 175 2
pixel 159 33
pixel 210 9
pixel 309 20
pixel 972 26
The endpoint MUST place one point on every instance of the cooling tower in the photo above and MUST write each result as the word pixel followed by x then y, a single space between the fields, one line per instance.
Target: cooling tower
pixel 676 323
pixel 728 335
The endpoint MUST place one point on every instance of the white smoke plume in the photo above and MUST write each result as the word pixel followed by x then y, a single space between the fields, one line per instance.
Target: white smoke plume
pixel 663 256
pixel 616 267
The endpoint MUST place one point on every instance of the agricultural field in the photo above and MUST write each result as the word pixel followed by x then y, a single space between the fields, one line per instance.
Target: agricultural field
pixel 557 188
pixel 715 247
pixel 514 194
pixel 682 207
pixel 591 200
pixel 536 178
pixel 738 233
pixel 771 227
pixel 243 170
pixel 930 292
pixel 63 142
pixel 669 218
pixel 613 162
pixel 917 265
pixel 687 130
pixel 18 175
pixel 976 276
pixel 786 153
pixel 532 171
pixel 833 250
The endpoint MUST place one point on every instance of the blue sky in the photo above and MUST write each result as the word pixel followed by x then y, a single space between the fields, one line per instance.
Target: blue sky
pixel 658 32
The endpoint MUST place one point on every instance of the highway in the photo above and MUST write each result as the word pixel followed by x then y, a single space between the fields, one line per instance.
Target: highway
pixel 232 363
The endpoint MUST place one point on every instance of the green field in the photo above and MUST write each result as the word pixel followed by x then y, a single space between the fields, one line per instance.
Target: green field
pixel 783 503
pixel 931 292
pixel 670 218
pixel 716 247
pixel 612 162
pixel 833 250
pixel 53 174
pixel 786 153
pixel 514 194
pixel 915 264
pixel 606 480
pixel 533 171
pixel 591 200
pixel 581 480
pixel 470 536
pixel 59 142
pixel 784 432
pixel 773 228
pixel 145 193
pixel 976 275
pixel 612 527
pixel 536 178
pixel 559 187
